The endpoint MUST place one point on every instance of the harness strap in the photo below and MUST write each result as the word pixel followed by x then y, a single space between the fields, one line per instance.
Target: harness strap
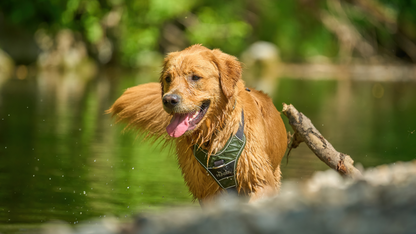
pixel 223 165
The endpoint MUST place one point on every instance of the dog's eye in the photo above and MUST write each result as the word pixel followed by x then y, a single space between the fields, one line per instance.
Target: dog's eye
pixel 168 79
pixel 195 77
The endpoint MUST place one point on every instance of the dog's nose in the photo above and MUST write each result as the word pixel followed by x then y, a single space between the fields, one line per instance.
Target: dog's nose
pixel 171 100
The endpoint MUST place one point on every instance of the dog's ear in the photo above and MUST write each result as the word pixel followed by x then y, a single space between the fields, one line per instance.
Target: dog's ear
pixel 230 71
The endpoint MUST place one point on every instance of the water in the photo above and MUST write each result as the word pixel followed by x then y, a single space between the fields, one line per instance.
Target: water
pixel 62 158
pixel 373 122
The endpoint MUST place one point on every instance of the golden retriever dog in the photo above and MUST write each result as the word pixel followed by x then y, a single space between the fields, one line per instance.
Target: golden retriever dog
pixel 199 101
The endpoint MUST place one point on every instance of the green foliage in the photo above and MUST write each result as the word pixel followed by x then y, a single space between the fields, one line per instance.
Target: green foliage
pixel 138 27
pixel 216 31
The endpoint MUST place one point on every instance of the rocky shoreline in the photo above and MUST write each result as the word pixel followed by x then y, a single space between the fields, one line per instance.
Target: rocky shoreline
pixel 384 201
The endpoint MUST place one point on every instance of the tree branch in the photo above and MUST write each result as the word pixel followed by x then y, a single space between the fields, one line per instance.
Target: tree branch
pixel 306 132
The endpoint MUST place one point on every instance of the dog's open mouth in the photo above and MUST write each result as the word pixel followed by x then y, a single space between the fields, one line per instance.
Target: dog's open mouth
pixel 182 122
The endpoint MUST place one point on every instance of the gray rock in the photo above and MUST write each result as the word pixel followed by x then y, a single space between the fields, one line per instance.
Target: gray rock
pixel 383 202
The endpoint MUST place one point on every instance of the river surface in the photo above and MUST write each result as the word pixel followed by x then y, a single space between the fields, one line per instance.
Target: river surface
pixel 63 158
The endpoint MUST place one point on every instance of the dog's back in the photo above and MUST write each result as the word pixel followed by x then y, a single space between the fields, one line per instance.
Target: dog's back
pixel 275 129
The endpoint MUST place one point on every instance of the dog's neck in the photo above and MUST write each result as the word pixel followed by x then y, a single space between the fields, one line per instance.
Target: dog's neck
pixel 215 135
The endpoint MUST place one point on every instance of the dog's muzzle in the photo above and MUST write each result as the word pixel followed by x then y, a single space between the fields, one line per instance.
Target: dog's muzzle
pixel 171 100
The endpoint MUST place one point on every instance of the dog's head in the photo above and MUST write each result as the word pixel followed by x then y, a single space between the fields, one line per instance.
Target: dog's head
pixel 197 83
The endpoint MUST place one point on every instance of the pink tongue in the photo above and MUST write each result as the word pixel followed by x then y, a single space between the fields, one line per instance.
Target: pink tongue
pixel 178 125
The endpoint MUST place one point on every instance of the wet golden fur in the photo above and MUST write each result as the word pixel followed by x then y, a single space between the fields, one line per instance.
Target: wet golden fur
pixel 258 170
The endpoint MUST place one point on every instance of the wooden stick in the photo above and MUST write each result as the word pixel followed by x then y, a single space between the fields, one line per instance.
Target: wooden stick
pixel 306 132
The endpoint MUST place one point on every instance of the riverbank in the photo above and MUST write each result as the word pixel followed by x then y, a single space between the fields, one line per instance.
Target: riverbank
pixel 383 202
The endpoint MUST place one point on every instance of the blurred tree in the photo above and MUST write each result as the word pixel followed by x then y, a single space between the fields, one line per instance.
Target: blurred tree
pixel 133 33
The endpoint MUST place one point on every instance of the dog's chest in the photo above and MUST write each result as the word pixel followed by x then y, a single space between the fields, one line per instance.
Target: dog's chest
pixel 199 181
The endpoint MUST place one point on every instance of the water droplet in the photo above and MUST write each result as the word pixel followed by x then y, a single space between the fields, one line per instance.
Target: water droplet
pixel 33 175
pixel 111 125
pixel 80 129
pixel 8 115
pixel 128 187
pixel 62 175
pixel 50 178
pixel 95 160
pixel 5 147
pixel 84 192
pixel 80 212
pixel 132 168
pixel 322 124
